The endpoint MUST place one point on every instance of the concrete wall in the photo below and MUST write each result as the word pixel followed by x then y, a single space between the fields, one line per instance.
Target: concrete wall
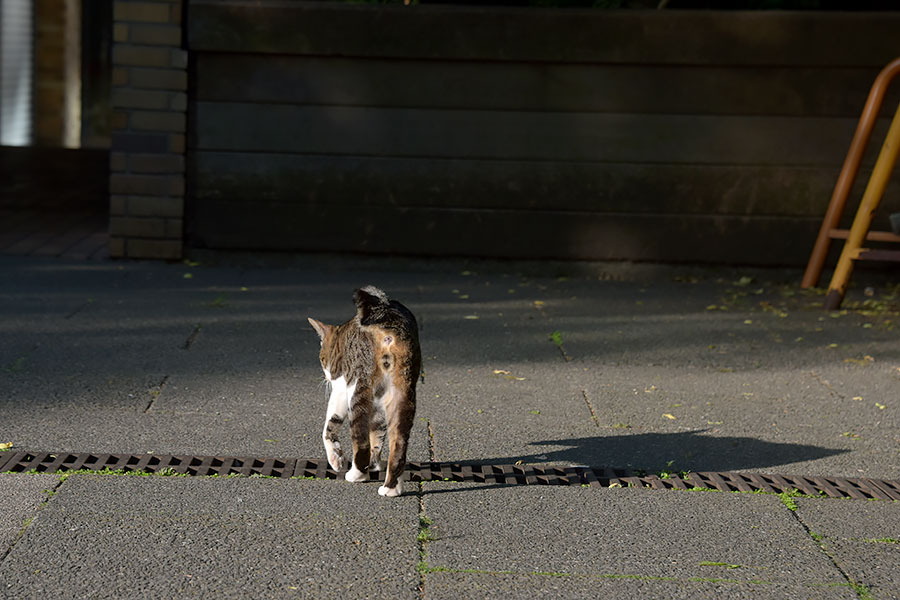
pixel 647 135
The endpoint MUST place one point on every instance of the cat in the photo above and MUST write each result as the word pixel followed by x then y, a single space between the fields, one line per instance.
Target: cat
pixel 372 362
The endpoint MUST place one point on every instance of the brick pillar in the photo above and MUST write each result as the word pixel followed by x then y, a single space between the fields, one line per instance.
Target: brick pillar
pixel 149 102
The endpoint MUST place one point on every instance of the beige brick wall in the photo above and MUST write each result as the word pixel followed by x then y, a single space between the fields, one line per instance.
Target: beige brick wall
pixel 149 101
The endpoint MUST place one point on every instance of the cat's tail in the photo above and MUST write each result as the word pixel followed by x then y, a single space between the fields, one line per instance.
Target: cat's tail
pixel 371 304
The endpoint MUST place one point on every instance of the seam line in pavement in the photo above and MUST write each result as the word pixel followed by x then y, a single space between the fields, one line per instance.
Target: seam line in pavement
pixel 29 520
pixel 853 584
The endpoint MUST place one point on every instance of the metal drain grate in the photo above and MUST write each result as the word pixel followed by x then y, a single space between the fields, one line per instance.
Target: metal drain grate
pixel 48 462
pixel 832 487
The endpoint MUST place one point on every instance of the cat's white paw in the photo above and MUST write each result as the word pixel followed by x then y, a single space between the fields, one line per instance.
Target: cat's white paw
pixel 390 492
pixel 336 459
pixel 355 475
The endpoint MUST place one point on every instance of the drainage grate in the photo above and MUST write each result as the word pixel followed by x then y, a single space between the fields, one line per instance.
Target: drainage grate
pixel 832 487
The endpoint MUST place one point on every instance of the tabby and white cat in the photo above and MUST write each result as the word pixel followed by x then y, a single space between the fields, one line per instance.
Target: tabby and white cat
pixel 372 362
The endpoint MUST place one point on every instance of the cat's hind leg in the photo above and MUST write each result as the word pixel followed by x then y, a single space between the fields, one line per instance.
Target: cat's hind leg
pixel 400 412
pixel 334 418
pixel 360 415
pixel 377 433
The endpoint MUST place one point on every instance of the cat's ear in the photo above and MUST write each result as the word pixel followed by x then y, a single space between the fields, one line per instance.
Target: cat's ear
pixel 321 328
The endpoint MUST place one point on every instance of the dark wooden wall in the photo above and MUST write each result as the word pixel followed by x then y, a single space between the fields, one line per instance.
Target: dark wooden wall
pixel 645 135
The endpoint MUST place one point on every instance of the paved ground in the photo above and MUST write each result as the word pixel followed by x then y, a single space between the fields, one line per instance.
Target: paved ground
pixel 647 367
pixel 78 235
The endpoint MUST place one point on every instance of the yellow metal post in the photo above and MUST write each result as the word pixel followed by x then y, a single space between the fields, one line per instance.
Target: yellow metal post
pixel 867 207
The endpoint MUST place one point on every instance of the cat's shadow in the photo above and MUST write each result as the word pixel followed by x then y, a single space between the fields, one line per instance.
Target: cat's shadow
pixel 671 452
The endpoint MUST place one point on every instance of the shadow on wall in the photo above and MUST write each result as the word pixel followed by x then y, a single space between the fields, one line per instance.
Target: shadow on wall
pixel 684 451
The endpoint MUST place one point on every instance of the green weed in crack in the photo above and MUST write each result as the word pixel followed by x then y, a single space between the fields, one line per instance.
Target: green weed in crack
pixel 787 498
pixel 862 591
pixel 423 536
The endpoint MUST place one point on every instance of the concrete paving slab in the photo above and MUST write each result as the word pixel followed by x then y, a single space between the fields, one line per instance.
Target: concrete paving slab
pixel 526 411
pixel 716 325
pixel 777 420
pixel 889 592
pixel 108 536
pixel 20 499
pixel 875 565
pixel 858 521
pixel 866 394
pixel 72 430
pixel 119 334
pixel 862 537
pixel 295 434
pixel 622 532
pixel 484 333
pixel 502 586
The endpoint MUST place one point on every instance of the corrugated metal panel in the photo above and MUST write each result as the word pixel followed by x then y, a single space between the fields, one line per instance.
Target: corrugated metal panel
pixel 15 72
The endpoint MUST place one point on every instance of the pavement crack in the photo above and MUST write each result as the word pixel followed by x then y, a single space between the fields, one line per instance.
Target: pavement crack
pixel 590 406
pixel 431 454
pixel 424 534
pixel 155 392
pixel 860 589
pixel 28 522
pixel 191 338
pixel 79 308
pixel 827 385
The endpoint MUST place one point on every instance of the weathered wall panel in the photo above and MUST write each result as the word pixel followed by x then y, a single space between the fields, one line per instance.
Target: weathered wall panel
pixel 516 185
pixel 520 135
pixel 501 233
pixel 579 36
pixel 673 89
pixel 645 135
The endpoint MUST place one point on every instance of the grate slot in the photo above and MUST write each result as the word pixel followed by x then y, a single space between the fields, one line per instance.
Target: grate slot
pixel 281 468
pixel 58 463
pixel 813 486
pixel 847 488
pixel 762 482
pixel 603 477
pixel 719 482
pixel 35 462
pixel 14 463
pixel 676 483
pixel 5 458
pixel 738 482
pixel 207 465
pixel 653 482
pixel 477 474
pixel 887 490
pixel 575 476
